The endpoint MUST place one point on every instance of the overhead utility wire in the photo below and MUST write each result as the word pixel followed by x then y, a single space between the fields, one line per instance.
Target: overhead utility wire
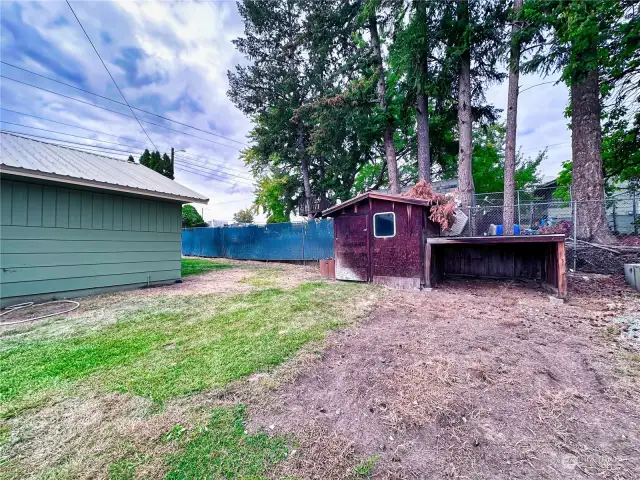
pixel 120 113
pixel 71 125
pixel 114 143
pixel 67 134
pixel 121 103
pixel 117 150
pixel 95 149
pixel 216 162
pixel 114 80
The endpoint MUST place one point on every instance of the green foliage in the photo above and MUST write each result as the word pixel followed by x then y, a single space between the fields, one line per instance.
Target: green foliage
pixel 158 163
pixel 174 348
pixel 191 218
pixel 562 192
pixel 488 162
pixel 272 197
pixel 223 449
pixel 196 266
pixel 244 215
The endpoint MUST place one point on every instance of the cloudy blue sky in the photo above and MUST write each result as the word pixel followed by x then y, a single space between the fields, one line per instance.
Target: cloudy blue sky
pixel 171 59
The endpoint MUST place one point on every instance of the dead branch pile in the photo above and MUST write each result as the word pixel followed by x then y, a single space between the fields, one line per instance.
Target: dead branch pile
pixel 442 206
pixel 604 259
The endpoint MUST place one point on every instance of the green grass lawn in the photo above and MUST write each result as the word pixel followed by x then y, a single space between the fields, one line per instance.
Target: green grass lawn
pixel 188 345
pixel 168 349
pixel 196 266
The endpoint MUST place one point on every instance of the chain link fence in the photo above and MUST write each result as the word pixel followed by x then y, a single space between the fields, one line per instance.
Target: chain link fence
pixel 548 210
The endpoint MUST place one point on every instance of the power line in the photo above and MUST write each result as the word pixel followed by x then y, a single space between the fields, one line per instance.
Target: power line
pixel 115 149
pixel 70 125
pixel 112 143
pixel 107 150
pixel 119 113
pixel 213 159
pixel 66 96
pixel 121 103
pixel 238 173
pixel 67 134
pixel 113 79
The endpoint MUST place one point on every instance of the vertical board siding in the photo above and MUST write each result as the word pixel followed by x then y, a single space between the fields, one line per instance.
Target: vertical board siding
pixel 49 206
pixel 126 239
pixel 19 205
pixel 5 203
pixel 34 207
pixel 62 208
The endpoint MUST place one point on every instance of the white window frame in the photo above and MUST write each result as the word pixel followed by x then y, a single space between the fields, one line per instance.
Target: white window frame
pixel 394 225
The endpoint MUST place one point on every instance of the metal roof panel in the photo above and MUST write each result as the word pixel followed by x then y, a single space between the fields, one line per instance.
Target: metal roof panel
pixel 27 157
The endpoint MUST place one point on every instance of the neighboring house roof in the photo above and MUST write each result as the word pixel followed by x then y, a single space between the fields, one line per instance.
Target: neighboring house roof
pixel 29 158
pixel 377 195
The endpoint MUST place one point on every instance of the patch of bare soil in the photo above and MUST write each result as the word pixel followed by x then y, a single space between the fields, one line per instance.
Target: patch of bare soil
pixel 471 380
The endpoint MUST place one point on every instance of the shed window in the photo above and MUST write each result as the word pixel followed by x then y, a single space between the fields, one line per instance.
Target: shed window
pixel 384 225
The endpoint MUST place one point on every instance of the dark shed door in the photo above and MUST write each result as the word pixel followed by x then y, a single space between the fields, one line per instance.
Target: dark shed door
pixel 352 248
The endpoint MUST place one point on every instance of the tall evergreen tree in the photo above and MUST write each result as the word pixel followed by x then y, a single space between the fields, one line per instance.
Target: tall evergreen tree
pixel 578 37
pixel 512 120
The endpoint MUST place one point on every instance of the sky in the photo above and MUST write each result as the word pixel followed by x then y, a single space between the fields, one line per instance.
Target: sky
pixel 171 59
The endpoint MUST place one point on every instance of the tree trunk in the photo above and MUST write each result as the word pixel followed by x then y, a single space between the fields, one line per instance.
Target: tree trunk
pixel 424 154
pixel 422 107
pixel 304 166
pixel 587 187
pixel 512 124
pixel 387 136
pixel 465 172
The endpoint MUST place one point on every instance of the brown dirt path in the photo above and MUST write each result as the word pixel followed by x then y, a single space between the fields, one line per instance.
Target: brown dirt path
pixel 473 380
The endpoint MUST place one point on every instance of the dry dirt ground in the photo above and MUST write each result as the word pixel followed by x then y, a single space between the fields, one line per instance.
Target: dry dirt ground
pixel 472 380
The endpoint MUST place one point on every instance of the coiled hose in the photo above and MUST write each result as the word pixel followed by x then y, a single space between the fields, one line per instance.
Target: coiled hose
pixel 19 306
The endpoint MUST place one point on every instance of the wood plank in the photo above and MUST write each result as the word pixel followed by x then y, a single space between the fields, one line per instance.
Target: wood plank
pixel 428 282
pixel 87 210
pixel 64 272
pixel 75 209
pixel 49 206
pixel 19 202
pixel 494 240
pixel 41 233
pixel 562 270
pixel 62 208
pixel 66 246
pixel 5 202
pixel 50 286
pixel 19 260
pixel 34 215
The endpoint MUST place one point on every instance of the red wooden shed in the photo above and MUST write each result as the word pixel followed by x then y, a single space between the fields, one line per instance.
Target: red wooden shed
pixel 379 238
pixel 388 239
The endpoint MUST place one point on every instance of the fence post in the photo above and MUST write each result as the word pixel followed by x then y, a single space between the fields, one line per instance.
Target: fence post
pixel 304 234
pixel 634 210
pixel 518 206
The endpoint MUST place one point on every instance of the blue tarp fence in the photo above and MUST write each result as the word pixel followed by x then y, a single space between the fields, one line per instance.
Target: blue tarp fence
pixel 278 241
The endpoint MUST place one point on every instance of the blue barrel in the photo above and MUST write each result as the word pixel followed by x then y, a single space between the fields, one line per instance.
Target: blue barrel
pixel 499 229
pixel 516 229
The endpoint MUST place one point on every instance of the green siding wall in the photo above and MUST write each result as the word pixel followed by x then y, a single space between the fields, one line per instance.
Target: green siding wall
pixel 58 242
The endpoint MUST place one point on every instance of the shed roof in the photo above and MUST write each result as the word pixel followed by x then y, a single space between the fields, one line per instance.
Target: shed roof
pixel 26 157
pixel 377 195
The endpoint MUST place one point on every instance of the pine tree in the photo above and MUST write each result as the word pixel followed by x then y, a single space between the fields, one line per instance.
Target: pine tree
pixel 512 117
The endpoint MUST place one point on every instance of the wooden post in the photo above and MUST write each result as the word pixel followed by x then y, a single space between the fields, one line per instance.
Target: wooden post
pixel 427 265
pixel 561 270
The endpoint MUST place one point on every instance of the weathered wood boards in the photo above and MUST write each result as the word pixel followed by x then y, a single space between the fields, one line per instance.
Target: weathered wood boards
pixel 540 257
